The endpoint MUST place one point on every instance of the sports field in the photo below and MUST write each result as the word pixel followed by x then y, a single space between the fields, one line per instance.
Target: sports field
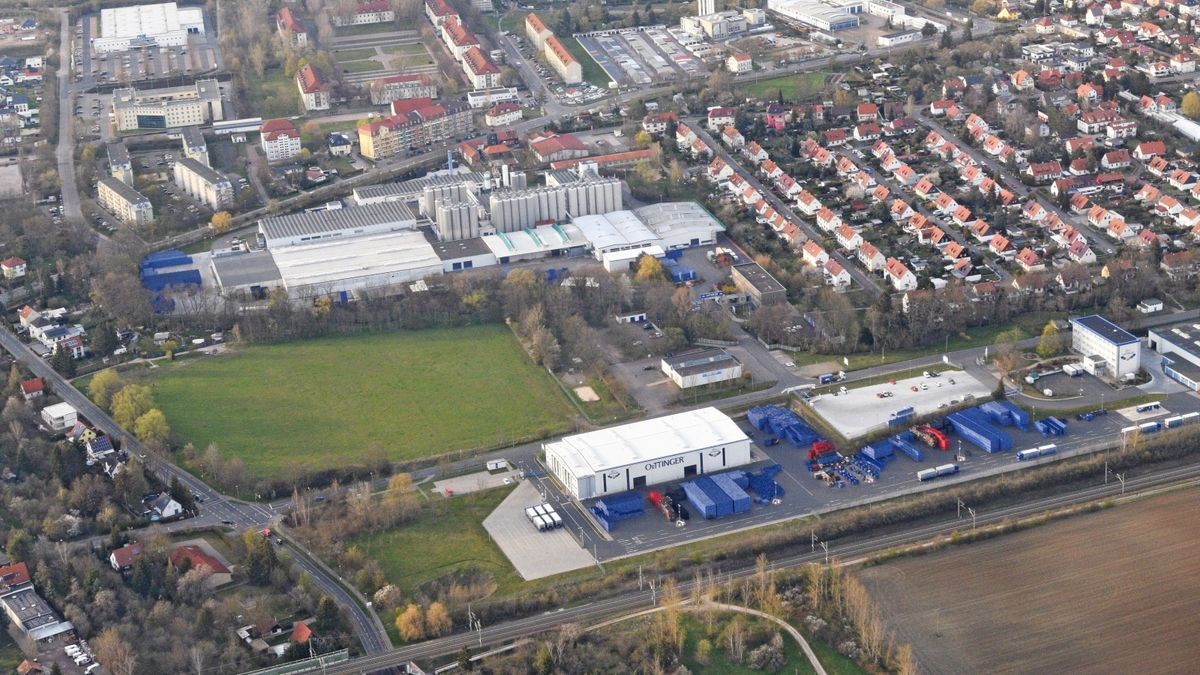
pixel 318 404
pixel 1106 592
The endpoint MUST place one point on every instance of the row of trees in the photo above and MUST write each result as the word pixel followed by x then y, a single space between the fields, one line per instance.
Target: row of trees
pixel 132 407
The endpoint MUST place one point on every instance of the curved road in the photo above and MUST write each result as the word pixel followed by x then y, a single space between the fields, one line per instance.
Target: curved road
pixel 216 507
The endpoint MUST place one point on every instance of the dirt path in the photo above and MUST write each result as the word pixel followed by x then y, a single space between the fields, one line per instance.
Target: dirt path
pixel 1108 592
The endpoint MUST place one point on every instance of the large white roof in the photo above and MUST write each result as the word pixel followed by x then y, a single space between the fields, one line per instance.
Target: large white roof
pixel 619 229
pixel 598 451
pixel 403 256
pixel 681 221
pixel 544 239
pixel 139 20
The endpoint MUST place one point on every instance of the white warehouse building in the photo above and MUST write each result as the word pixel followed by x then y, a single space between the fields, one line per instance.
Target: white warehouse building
pixel 660 450
pixel 165 24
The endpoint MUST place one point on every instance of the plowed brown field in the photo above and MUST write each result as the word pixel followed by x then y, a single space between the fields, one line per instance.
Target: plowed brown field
pixel 1116 591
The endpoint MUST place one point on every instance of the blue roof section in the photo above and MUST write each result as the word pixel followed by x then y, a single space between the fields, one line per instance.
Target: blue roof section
pixel 1106 329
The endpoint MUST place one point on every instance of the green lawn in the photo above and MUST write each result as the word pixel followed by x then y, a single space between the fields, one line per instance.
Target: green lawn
pixel 354 54
pixel 274 94
pixel 364 29
pixel 592 72
pixel 319 404
pixel 360 66
pixel 795 87
pixel 417 48
pixel 410 557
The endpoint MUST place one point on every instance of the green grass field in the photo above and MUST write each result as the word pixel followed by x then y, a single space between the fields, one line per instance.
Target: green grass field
pixel 469 547
pixel 406 49
pixel 360 66
pixel 795 87
pixel 319 404
pixel 354 54
pixel 274 94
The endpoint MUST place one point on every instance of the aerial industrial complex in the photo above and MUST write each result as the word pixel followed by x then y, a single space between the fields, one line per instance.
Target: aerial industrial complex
pixel 399 233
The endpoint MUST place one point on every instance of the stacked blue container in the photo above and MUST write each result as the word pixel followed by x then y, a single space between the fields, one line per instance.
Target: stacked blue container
pixel 902 442
pixel 700 500
pixel 977 428
pixel 722 501
pixel 738 496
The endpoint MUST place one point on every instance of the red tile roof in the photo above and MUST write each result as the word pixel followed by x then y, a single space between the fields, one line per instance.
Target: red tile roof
pixel 128 554
pixel 12 575
pixel 310 79
pixel 198 558
pixel 12 262
pixel 276 128
pixel 287 18
pixel 32 386
pixel 480 63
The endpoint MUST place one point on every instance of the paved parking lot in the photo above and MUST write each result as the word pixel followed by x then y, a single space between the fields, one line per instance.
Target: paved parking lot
pixel 200 56
pixel 859 411
pixel 534 554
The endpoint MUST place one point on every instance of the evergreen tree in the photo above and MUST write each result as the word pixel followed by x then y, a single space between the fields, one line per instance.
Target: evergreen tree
pixel 63 362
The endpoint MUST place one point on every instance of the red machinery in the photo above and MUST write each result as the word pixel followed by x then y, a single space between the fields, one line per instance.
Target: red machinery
pixel 934 438
pixel 662 503
pixel 819 448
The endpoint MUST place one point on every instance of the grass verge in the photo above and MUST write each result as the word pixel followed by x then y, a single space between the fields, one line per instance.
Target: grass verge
pixel 353 54
pixel 360 66
pixel 592 72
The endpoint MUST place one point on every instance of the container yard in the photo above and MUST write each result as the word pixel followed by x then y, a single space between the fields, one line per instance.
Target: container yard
pixel 790 470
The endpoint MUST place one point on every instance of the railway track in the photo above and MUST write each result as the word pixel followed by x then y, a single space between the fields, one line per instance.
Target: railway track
pixel 849 552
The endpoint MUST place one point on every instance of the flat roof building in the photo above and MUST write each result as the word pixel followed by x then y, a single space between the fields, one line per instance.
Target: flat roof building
pixel 1178 346
pixel 700 367
pixel 546 241
pixel 164 24
pixel 615 231
pixel 310 227
pixel 120 166
pixel 756 282
pixel 634 456
pixel 382 261
pixel 680 224
pixel 33 615
pixel 168 108
pixel 1118 352
pixel 128 205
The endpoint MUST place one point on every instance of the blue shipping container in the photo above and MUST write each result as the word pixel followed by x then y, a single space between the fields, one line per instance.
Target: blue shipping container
pixel 738 496
pixel 722 501
pixel 700 500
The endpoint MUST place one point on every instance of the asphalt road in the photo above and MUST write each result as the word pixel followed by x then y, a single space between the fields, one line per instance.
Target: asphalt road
pixel 778 204
pixel 848 552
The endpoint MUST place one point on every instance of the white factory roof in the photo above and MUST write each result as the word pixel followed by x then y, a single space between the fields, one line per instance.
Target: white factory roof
pixel 616 230
pixel 390 215
pixel 645 441
pixel 544 239
pixel 139 20
pixel 406 254
pixel 679 221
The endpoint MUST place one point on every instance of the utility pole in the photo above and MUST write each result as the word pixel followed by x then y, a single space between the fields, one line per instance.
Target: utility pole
pixel 640 579
pixel 960 508
pixel 1121 477
pixel 1106 472
pixel 826 547
pixel 653 594
pixel 813 543
pixel 972 512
